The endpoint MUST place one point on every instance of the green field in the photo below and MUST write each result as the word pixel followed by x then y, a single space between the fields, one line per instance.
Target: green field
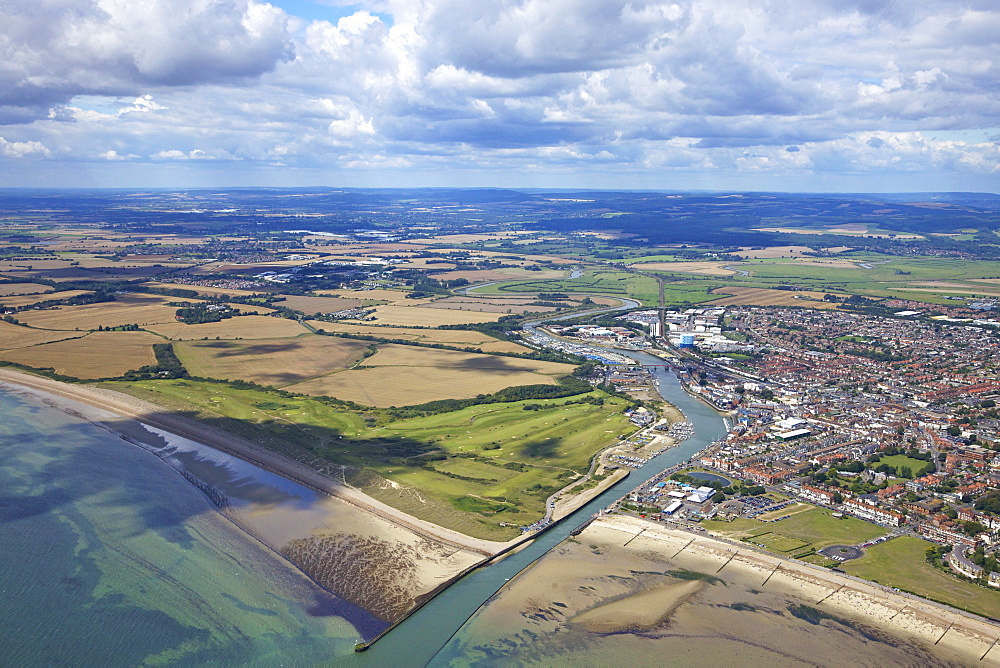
pixel 599 282
pixel 468 470
pixel 873 275
pixel 816 527
pixel 896 461
pixel 777 542
pixel 901 563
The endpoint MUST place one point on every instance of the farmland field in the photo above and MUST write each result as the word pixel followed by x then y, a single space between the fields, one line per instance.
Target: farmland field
pixel 404 375
pixel 241 327
pixel 509 273
pixel 396 355
pixel 311 305
pixel 7 289
pixel 96 355
pixel 375 295
pixel 450 337
pixel 202 290
pixel 126 309
pixel 276 362
pixel 489 305
pixel 409 316
pixel 744 296
pixel 15 336
pixel 28 300
pixel 613 283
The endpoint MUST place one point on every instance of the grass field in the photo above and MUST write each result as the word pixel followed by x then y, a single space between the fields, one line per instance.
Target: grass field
pixel 901 563
pixel 813 526
pixel 406 375
pixel 469 470
pixel 241 327
pixel 96 355
pixel 868 274
pixel 896 461
pixel 702 268
pixel 276 362
pixel 126 309
pixel 777 542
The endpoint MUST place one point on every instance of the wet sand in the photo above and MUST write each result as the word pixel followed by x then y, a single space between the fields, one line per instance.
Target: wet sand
pixel 627 591
pixel 356 547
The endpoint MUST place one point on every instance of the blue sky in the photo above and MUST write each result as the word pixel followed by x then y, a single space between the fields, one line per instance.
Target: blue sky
pixel 794 95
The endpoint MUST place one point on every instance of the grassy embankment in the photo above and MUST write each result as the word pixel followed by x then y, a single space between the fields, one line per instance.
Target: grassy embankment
pixel 901 563
pixel 483 470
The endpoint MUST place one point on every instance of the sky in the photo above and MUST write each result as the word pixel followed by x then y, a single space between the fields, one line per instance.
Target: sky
pixel 774 95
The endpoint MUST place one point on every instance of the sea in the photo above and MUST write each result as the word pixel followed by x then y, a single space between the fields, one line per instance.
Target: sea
pixel 112 558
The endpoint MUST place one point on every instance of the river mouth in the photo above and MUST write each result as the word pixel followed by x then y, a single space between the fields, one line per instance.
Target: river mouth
pixel 419 638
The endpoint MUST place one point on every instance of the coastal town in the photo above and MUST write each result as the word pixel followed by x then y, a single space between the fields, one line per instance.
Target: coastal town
pixel 889 417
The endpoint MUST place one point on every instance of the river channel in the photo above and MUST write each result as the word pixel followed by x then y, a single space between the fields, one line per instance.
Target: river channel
pixel 418 639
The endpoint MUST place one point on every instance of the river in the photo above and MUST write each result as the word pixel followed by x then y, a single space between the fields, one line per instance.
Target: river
pixel 418 639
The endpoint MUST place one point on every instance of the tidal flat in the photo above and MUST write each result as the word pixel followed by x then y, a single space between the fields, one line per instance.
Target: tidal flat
pixel 675 598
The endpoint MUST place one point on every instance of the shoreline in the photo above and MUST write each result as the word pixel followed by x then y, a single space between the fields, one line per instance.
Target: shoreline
pixel 341 540
pixel 917 618
pixel 131 408
pixel 628 587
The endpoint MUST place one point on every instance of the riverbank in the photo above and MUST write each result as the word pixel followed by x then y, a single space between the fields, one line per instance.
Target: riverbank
pixel 640 591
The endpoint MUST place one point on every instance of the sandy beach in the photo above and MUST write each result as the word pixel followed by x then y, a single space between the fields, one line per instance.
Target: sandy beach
pixel 630 591
pixel 360 549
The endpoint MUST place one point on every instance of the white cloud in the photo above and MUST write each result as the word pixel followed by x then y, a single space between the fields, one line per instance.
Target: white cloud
pixel 53 50
pixel 712 86
pixel 114 156
pixel 22 149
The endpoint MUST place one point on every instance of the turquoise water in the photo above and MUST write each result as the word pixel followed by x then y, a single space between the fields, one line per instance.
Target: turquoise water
pixel 112 558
